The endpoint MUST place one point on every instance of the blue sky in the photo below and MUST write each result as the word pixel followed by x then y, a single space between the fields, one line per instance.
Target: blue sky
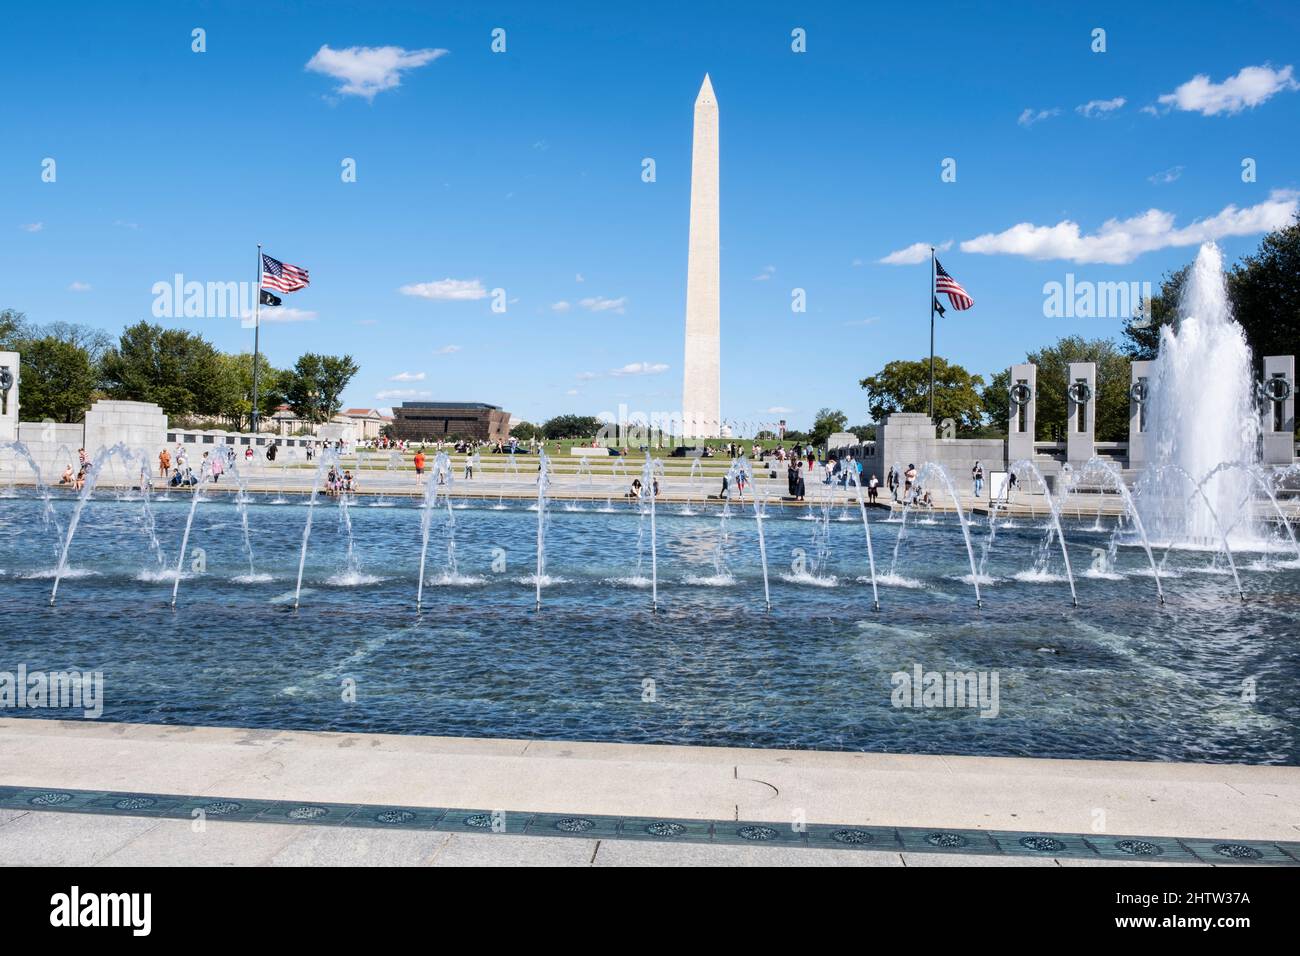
pixel 522 171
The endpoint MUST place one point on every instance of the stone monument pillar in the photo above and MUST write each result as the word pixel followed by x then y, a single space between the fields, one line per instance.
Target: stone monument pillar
pixel 1081 413
pixel 1021 422
pixel 1279 409
pixel 8 396
pixel 1139 395
pixel 906 438
pixel 701 389
pixel 140 426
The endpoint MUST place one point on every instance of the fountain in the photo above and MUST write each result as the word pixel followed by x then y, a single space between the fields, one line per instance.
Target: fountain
pixel 866 530
pixel 543 483
pixel 196 495
pixel 439 476
pixel 1201 413
pixel 327 458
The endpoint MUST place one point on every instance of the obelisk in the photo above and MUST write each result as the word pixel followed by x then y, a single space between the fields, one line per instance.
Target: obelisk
pixel 701 391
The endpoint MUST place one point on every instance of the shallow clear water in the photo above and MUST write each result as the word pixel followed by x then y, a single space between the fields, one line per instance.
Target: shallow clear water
pixel 1120 677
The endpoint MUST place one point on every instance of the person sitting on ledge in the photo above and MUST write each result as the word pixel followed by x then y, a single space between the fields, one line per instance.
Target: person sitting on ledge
pixel 67 475
pixel 636 489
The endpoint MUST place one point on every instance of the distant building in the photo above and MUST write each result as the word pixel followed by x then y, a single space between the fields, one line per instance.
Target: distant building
pixel 432 421
pixel 369 421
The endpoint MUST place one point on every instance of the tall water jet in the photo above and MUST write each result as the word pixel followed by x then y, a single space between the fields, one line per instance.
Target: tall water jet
pixel 866 529
pixel 1201 412
pixel 205 472
pixel 543 483
pixel 439 477
pixel 648 484
pixel 740 472
pixel 327 458
pixel 102 457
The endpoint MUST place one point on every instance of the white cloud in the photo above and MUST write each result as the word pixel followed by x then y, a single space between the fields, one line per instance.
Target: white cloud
pixel 1249 88
pixel 871 321
pixel 367 321
pixel 448 290
pixel 856 263
pixel 122 223
pixel 446 350
pixel 407 377
pixel 916 252
pixel 284 313
pixel 560 306
pixel 32 227
pixel 1095 108
pixel 601 304
pixel 79 286
pixel 1029 117
pixel 1121 241
pixel 579 278
pixel 767 273
pixel 572 391
pixel 779 410
pixel 367 70
pixel 390 393
pixel 640 368
pixel 1166 175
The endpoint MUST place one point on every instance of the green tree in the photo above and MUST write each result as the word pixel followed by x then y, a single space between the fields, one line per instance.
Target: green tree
pixel 58 380
pixel 1142 329
pixel 1053 379
pixel 570 426
pixel 314 387
pixel 995 397
pixel 903 386
pixel 525 431
pixel 13 329
pixel 179 371
pixel 1265 290
pixel 238 369
pixel 826 423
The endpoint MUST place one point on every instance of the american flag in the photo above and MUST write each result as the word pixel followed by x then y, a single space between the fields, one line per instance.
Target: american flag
pixel 961 301
pixel 282 276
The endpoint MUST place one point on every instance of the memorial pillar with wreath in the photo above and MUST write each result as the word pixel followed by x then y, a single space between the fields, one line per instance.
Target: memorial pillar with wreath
pixel 1021 422
pixel 1277 391
pixel 1139 395
pixel 8 396
pixel 1081 413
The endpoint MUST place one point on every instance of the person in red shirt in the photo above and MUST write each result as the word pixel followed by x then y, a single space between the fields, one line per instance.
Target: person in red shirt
pixel 419 465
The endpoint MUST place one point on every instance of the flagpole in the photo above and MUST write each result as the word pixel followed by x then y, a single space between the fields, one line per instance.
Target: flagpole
pixel 256 329
pixel 932 334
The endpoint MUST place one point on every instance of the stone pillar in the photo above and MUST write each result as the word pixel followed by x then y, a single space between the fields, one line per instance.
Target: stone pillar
pixel 140 426
pixel 8 398
pixel 1139 397
pixel 906 438
pixel 1021 423
pixel 1279 409
pixel 1081 413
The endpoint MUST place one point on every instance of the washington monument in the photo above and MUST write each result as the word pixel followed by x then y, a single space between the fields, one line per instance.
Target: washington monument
pixel 701 391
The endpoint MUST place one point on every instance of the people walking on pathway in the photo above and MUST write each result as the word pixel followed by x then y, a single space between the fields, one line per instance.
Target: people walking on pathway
pixel 164 463
pixel 873 488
